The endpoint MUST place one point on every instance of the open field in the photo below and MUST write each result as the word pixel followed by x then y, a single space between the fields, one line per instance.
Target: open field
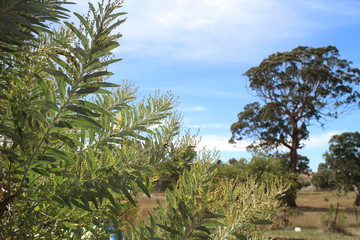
pixel 312 207
pixel 313 234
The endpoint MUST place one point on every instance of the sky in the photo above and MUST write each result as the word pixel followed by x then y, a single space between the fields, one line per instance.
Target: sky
pixel 200 49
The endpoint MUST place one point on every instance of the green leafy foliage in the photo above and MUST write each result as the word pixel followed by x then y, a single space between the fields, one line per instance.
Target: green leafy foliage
pixel 77 151
pixel 262 167
pixel 22 20
pixel 343 158
pixel 200 207
pixel 73 153
pixel 324 177
pixel 296 88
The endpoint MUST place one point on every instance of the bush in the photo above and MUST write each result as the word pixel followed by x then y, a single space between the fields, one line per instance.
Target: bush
pixel 334 220
pixel 202 207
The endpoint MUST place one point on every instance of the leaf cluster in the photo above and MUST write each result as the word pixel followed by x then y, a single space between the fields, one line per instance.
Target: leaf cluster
pixel 74 153
pixel 296 88
pixel 200 207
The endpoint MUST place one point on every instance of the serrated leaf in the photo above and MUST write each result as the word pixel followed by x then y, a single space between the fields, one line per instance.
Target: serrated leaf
pixel 169 229
pixel 45 158
pixel 59 200
pixel 114 25
pixel 103 91
pixel 84 23
pixel 36 115
pixel 87 90
pixel 108 195
pixel 41 171
pixel 183 211
pixel 66 201
pixel 101 84
pixel 85 122
pixel 83 110
pixel 91 158
pixel 46 104
pixel 128 195
pixel 63 124
pixel 12 179
pixel 214 224
pixel 70 225
pixel 60 155
pixel 92 106
pixel 96 75
pixel 83 39
pixel 11 155
pixel 54 72
pixel 65 139
pixel 204 229
pixel 85 202
pixel 95 64
pixel 79 204
pixel 16 172
pixel 239 236
pixel 78 52
pixel 5 130
pixel 143 188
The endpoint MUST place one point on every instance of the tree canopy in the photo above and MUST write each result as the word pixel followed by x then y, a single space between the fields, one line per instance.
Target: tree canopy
pixel 296 88
pixel 343 158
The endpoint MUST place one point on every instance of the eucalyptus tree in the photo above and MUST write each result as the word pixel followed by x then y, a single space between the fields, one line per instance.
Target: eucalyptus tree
pixel 297 88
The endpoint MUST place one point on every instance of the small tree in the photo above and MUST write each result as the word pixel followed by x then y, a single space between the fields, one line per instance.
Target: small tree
pixel 262 167
pixel 297 87
pixel 324 178
pixel 201 207
pixel 343 158
pixel 302 164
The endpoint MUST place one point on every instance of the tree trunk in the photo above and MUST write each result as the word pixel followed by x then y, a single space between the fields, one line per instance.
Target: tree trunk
pixel 293 159
pixel 357 198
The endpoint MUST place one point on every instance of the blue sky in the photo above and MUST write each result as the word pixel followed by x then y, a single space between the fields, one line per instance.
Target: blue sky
pixel 199 50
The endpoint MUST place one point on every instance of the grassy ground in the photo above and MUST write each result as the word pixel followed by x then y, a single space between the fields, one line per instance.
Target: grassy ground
pixel 312 209
pixel 147 205
pixel 313 234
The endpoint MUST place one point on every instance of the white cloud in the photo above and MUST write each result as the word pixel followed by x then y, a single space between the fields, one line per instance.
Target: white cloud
pixel 320 140
pixel 221 143
pixel 209 125
pixel 222 30
pixel 193 109
pixel 226 30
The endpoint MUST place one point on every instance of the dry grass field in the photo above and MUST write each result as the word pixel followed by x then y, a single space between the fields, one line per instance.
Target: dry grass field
pixel 312 207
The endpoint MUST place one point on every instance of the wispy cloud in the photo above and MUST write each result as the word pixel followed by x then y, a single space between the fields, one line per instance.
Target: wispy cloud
pixel 220 143
pixel 226 30
pixel 193 109
pixel 223 30
pixel 320 140
pixel 209 125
